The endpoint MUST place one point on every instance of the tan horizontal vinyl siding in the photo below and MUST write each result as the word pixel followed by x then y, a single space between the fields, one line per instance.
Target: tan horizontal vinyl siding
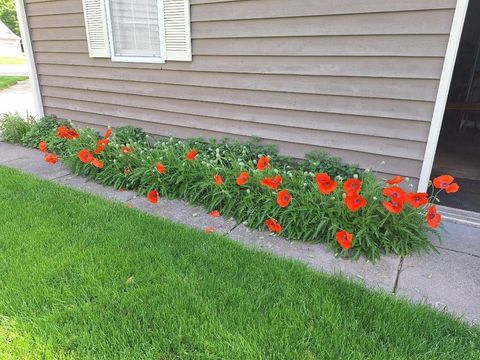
pixel 355 78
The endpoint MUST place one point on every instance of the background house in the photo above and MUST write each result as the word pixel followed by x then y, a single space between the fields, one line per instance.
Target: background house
pixel 359 79
pixel 9 42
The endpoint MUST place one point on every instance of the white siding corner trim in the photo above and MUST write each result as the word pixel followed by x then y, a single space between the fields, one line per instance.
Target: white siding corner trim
pixel 96 28
pixel 28 48
pixel 177 30
pixel 442 95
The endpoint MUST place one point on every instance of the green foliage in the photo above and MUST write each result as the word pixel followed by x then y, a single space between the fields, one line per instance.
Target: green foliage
pixel 8 15
pixel 311 216
pixel 14 126
pixel 129 134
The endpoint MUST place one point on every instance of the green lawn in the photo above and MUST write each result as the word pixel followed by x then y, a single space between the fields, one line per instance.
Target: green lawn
pixel 7 81
pixel 9 60
pixel 85 278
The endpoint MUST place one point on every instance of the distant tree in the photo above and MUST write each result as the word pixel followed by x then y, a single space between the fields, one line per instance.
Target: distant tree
pixel 8 15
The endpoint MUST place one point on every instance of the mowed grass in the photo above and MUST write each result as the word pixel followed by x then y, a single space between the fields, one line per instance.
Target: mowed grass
pixel 7 81
pixel 12 60
pixel 85 278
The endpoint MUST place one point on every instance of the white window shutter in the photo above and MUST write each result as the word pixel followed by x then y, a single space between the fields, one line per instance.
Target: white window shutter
pixel 96 27
pixel 177 30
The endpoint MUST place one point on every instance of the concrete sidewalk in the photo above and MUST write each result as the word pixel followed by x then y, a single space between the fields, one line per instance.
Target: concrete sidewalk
pixel 448 280
pixel 17 98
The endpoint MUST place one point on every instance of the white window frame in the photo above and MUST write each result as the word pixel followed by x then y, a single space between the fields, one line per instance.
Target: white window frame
pixel 139 59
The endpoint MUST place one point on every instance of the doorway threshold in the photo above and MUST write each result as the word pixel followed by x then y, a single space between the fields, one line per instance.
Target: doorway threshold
pixel 460 216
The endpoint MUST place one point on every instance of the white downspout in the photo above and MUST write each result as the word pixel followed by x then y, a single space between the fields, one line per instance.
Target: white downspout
pixel 27 47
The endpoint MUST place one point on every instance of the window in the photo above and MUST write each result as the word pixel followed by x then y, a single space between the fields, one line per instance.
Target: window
pixel 136 30
pixel 151 31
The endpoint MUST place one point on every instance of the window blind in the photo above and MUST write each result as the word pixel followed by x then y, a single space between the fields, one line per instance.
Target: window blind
pixel 135 28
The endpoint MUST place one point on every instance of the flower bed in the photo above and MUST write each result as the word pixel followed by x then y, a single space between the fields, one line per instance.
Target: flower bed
pixel 316 200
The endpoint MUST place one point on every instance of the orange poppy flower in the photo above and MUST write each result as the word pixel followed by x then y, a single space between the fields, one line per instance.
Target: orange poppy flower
pixel 127 150
pixel 327 187
pixel 51 158
pixel 272 183
pixel 214 213
pixel 355 202
pixel 153 196
pixel 85 156
pixel 452 188
pixel 98 150
pixel 263 163
pixel 108 133
pixel 345 239
pixel 394 206
pixel 396 193
pixel 352 186
pixel 126 171
pixel 242 179
pixel 97 163
pixel 442 181
pixel 283 198
pixel 66 133
pixel 322 177
pixel 218 179
pixel 161 168
pixel 192 154
pixel 42 146
pixel 395 180
pixel 417 199
pixel 273 226
pixel 433 217
pixel 209 230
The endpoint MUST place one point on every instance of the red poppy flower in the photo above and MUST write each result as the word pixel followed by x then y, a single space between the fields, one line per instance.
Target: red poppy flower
pixel 352 186
pixel 209 230
pixel 108 133
pixel 263 163
pixel 161 168
pixel 85 156
pixel 97 163
pixel 394 206
pixel 126 150
pixel 327 187
pixel 126 171
pixel 283 198
pixel 242 179
pixel 322 177
pixel 355 202
pixel 273 226
pixel 417 199
pixel 396 193
pixel 395 180
pixel 272 183
pixel 452 188
pixel 98 150
pixel 442 181
pixel 433 217
pixel 214 213
pixel 51 158
pixel 153 196
pixel 344 238
pixel 66 133
pixel 218 179
pixel 42 146
pixel 192 154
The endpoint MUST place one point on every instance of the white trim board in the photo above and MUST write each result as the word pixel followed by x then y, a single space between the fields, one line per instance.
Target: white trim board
pixel 27 47
pixel 442 95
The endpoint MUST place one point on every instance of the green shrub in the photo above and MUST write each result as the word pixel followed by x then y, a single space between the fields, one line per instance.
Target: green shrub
pixel 13 127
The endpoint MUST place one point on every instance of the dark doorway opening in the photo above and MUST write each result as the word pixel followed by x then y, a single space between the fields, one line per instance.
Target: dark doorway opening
pixel 458 151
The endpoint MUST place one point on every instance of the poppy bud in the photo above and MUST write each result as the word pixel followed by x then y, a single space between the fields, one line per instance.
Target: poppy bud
pixel 355 176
